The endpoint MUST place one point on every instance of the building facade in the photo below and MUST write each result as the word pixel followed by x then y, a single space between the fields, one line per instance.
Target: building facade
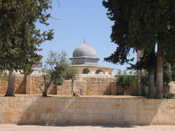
pixel 85 61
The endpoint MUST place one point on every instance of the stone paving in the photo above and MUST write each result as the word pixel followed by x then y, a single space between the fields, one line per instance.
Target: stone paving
pixel 84 128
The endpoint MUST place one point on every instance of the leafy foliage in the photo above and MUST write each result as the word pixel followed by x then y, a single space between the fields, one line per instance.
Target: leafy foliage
pixel 56 70
pixel 19 37
pixel 171 96
pixel 143 25
pixel 126 82
pixel 140 25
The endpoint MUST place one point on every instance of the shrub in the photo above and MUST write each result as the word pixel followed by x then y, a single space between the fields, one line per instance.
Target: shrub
pixel 127 84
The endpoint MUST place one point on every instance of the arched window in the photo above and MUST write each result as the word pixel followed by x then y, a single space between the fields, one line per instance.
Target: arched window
pixel 99 72
pixel 86 71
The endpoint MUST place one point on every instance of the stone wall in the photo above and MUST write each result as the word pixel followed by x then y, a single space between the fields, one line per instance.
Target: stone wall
pixel 86 110
pixel 3 84
pixel 86 85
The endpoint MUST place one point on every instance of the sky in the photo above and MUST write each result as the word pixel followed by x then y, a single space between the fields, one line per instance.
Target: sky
pixel 75 21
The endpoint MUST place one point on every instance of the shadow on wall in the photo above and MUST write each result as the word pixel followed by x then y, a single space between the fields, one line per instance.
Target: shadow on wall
pixel 90 110
pixel 87 86
pixel 101 86
pixel 110 89
pixel 21 84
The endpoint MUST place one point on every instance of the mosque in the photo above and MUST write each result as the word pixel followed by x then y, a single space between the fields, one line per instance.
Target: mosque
pixel 85 61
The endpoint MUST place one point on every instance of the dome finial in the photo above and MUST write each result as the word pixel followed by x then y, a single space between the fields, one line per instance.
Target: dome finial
pixel 84 40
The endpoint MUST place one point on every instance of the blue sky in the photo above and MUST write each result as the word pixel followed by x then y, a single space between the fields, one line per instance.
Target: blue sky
pixel 76 20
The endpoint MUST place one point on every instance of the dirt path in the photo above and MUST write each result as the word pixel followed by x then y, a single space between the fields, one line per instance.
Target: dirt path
pixel 84 128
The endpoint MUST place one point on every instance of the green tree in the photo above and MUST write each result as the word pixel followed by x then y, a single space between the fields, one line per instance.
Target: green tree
pixel 19 37
pixel 142 25
pixel 56 70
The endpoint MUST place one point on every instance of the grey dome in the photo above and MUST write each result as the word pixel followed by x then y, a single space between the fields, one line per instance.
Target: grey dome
pixel 84 51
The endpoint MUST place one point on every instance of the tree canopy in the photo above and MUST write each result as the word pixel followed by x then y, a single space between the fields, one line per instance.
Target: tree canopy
pixel 56 69
pixel 19 36
pixel 141 25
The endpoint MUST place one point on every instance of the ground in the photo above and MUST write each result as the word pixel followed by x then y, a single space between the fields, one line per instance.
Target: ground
pixel 85 128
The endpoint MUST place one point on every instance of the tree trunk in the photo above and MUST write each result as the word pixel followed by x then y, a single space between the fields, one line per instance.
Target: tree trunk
pixel 72 86
pixel 25 82
pixel 11 84
pixel 152 88
pixel 170 72
pixel 75 92
pixel 44 93
pixel 139 74
pixel 159 76
pixel 166 87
